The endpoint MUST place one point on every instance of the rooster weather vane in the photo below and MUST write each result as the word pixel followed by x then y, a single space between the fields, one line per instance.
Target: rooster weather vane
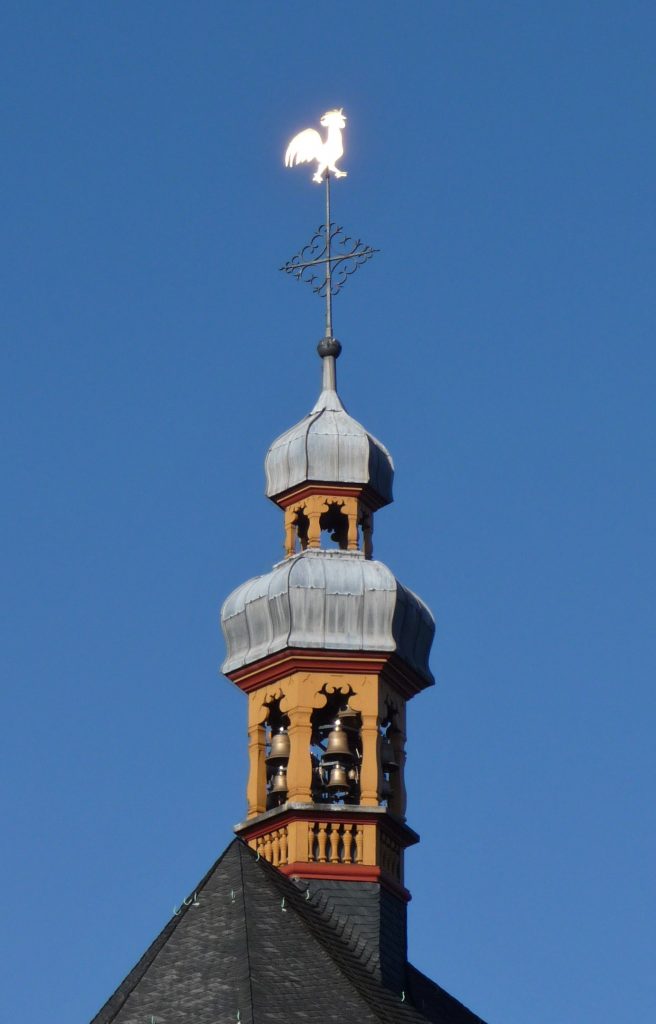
pixel 331 256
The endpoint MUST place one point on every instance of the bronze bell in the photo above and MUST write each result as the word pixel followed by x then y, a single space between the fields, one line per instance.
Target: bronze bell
pixel 338 778
pixel 387 756
pixel 385 790
pixel 280 782
pixel 279 747
pixel 338 745
pixel 348 718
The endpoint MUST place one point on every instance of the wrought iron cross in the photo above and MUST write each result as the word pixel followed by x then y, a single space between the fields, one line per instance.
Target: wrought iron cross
pixel 331 256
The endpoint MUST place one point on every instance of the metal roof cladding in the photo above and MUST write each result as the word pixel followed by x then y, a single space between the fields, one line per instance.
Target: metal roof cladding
pixel 331 600
pixel 329 446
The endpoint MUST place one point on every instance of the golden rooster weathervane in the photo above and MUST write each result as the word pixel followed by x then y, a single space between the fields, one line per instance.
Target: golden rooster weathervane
pixel 320 252
pixel 308 146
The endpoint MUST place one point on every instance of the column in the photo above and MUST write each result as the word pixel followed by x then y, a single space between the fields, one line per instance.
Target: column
pixel 256 788
pixel 313 511
pixel 370 773
pixel 299 768
pixel 352 529
pixel 290 532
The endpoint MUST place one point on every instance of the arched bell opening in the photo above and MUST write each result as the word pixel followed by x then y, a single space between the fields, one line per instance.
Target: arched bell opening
pixel 336 752
pixel 366 524
pixel 392 760
pixel 335 523
pixel 326 521
pixel 391 755
pixel 276 759
pixel 301 526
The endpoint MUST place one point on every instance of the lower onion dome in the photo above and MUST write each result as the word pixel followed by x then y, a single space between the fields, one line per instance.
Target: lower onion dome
pixel 335 600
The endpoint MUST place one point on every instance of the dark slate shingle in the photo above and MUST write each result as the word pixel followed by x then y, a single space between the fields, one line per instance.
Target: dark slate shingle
pixel 257 950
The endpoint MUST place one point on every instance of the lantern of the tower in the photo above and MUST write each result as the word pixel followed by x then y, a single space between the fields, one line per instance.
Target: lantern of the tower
pixel 328 646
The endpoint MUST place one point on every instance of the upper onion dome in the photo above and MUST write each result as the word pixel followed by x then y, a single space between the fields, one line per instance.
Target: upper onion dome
pixel 327 600
pixel 329 446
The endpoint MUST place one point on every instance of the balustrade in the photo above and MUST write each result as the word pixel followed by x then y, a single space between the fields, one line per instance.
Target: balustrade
pixel 273 846
pixel 335 843
pixel 327 843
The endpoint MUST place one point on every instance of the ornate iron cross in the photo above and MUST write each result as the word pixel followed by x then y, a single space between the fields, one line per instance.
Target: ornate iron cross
pixel 331 256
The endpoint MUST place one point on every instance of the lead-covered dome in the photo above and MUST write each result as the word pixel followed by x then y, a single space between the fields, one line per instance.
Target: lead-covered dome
pixel 329 446
pixel 331 600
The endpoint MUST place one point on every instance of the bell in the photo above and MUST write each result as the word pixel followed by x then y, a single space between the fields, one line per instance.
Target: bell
pixel 338 778
pixel 280 782
pixel 338 745
pixel 387 756
pixel 385 790
pixel 348 718
pixel 279 747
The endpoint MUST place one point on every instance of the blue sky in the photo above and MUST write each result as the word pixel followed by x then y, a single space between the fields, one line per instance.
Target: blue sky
pixel 501 155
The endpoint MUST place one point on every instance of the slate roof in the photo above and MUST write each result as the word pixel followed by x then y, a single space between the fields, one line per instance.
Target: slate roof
pixel 257 951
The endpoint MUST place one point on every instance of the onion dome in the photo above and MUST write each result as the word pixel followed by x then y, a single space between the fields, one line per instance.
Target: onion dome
pixel 329 447
pixel 330 600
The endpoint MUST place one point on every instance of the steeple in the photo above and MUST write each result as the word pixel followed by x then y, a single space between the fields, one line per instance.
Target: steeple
pixel 328 646
pixel 304 915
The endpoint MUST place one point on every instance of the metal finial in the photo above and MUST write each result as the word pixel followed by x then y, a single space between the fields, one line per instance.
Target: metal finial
pixel 331 256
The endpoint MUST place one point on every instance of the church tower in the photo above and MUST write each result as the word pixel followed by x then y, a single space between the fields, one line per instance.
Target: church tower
pixel 328 647
pixel 303 916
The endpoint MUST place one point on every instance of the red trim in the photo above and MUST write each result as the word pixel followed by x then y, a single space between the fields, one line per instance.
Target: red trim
pixel 346 873
pixel 369 496
pixel 293 659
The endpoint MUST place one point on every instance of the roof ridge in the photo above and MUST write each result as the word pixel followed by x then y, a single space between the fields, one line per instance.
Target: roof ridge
pixel 118 998
pixel 248 949
pixel 384 1004
pixel 221 962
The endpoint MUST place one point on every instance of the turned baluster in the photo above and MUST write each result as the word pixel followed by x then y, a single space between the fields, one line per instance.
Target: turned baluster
pixel 322 843
pixel 334 844
pixel 359 845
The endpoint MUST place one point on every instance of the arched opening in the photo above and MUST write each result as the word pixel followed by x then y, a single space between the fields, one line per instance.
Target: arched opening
pixel 336 752
pixel 302 525
pixel 328 521
pixel 277 754
pixel 335 523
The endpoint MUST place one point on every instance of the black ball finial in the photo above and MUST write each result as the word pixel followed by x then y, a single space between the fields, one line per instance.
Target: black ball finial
pixel 329 347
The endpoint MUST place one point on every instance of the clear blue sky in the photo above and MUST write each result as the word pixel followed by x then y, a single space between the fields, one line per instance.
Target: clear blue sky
pixel 501 155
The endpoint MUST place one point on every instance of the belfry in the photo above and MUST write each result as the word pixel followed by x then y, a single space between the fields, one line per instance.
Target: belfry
pixel 328 647
pixel 304 916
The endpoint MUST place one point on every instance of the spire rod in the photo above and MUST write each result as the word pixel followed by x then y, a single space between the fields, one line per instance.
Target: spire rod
pixel 329 289
pixel 331 256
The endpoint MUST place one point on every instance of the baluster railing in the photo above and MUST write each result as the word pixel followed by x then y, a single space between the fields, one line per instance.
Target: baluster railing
pixel 359 844
pixel 334 844
pixel 322 840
